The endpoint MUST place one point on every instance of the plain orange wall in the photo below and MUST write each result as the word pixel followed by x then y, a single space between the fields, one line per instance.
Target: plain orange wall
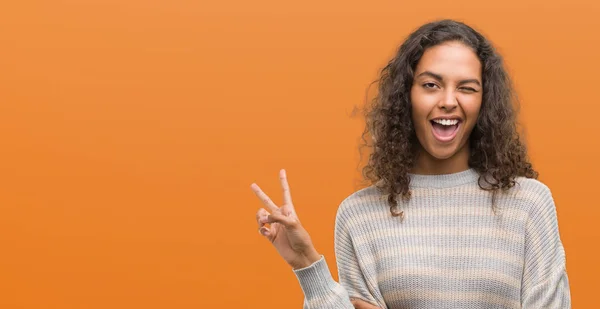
pixel 131 130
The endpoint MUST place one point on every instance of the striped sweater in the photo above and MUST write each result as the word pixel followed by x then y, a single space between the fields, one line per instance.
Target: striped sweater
pixel 450 251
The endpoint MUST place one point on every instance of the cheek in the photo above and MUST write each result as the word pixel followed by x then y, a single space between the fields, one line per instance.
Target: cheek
pixel 471 110
pixel 420 107
pixel 418 118
pixel 471 107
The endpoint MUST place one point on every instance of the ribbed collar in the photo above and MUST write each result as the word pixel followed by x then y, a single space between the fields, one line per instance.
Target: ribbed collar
pixel 445 180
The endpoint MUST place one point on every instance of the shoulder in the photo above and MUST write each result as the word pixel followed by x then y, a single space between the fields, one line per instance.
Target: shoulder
pixel 532 195
pixel 366 201
pixel 361 198
pixel 530 185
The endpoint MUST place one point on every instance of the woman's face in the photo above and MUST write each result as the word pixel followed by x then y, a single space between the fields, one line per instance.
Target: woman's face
pixel 446 98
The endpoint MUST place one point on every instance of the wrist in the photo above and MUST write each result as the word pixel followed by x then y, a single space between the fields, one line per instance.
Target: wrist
pixel 307 259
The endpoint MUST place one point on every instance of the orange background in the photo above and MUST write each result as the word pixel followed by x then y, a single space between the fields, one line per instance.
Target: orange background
pixel 131 130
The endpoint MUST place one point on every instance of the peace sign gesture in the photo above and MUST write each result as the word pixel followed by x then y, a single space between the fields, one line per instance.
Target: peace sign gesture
pixel 285 231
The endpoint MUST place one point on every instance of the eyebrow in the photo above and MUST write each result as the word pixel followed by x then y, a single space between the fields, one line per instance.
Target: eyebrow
pixel 440 78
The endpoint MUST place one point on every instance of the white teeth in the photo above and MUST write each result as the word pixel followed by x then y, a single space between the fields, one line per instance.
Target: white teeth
pixel 446 122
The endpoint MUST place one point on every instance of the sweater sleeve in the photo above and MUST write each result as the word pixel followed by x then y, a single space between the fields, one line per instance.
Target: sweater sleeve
pixel 545 283
pixel 321 291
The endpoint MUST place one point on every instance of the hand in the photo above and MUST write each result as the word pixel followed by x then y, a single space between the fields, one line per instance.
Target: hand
pixel 361 304
pixel 285 231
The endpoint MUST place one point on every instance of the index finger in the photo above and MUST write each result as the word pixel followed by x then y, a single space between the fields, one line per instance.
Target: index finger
pixel 287 196
pixel 264 197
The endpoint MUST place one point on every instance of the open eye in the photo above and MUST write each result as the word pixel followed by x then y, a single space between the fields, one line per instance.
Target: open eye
pixel 429 85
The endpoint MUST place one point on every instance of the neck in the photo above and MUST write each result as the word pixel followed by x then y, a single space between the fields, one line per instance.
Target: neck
pixel 426 164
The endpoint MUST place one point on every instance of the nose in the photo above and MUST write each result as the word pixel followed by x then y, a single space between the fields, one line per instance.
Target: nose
pixel 448 101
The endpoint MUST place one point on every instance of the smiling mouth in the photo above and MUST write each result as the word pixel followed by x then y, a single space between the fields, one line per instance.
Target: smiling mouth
pixel 445 130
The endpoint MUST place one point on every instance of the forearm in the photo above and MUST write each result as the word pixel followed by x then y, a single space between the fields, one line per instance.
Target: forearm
pixel 321 291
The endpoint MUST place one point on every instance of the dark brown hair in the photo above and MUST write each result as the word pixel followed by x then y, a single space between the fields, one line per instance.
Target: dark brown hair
pixel 496 150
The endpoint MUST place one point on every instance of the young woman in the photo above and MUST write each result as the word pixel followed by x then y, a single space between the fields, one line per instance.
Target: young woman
pixel 455 217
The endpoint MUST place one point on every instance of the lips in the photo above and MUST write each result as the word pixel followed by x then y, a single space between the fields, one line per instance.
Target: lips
pixel 445 131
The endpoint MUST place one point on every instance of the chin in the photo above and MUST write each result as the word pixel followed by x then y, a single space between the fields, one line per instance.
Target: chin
pixel 442 156
pixel 442 153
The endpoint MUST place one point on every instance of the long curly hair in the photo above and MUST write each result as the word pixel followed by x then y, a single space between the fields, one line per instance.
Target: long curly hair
pixel 497 152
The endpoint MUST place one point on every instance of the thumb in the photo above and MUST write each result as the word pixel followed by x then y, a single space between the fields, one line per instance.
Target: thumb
pixel 289 222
